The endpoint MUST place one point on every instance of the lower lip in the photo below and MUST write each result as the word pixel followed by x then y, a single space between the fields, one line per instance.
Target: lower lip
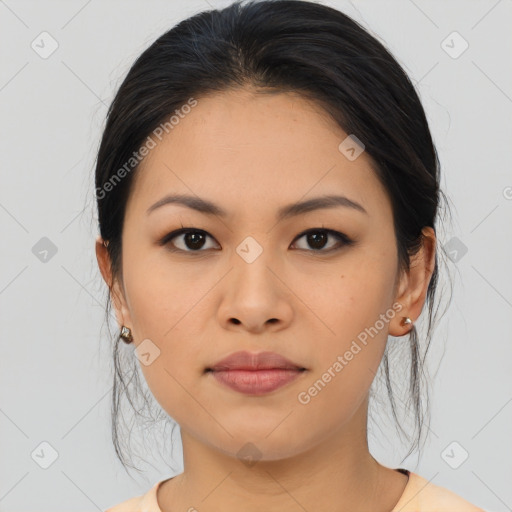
pixel 255 382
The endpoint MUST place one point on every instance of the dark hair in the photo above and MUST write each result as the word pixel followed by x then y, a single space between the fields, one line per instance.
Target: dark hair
pixel 281 46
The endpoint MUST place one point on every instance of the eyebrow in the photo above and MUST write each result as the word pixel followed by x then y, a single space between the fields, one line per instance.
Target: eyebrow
pixel 285 212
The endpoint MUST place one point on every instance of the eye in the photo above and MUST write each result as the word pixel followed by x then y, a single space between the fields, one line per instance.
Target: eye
pixel 193 240
pixel 317 238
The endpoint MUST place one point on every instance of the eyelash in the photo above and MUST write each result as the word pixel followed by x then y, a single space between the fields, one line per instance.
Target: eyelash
pixel 341 237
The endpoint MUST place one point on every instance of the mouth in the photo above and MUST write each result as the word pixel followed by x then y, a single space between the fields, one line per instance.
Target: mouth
pixel 255 374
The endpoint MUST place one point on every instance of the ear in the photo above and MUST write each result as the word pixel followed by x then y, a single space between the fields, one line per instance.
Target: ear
pixel 413 286
pixel 116 292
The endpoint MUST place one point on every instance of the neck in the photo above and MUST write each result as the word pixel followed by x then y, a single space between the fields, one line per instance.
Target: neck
pixel 337 474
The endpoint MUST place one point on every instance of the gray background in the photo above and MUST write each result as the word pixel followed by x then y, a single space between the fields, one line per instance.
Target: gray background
pixel 55 364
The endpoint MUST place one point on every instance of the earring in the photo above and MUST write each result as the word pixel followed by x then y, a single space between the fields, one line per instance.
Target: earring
pixel 126 334
pixel 406 320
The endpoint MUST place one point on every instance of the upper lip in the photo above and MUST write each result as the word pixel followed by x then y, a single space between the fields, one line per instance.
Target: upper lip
pixel 244 360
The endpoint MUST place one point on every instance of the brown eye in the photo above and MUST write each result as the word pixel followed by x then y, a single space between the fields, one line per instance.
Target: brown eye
pixel 189 240
pixel 317 239
pixel 195 240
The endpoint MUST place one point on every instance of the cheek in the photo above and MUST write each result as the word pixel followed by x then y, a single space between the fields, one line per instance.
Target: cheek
pixel 355 309
pixel 350 303
pixel 346 363
pixel 161 294
pixel 166 308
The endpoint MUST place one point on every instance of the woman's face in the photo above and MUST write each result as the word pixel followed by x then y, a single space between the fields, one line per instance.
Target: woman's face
pixel 249 281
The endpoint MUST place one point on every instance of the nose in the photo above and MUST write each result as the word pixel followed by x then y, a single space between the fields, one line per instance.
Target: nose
pixel 255 297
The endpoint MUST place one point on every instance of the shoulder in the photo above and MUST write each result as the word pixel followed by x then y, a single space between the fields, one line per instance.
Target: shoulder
pixel 143 503
pixel 420 495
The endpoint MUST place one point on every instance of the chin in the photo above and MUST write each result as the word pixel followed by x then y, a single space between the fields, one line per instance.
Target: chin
pixel 251 444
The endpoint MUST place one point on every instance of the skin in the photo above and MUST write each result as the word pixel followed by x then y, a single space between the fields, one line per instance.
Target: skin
pixel 251 154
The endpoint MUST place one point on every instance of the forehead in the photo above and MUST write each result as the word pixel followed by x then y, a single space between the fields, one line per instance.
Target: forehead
pixel 251 148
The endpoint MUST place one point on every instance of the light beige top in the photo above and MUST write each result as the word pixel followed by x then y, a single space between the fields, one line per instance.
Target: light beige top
pixel 419 496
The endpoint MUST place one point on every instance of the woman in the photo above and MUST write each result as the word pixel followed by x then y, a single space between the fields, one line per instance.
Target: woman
pixel 267 192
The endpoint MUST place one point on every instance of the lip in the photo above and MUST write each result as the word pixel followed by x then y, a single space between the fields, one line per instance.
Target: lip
pixel 255 373
pixel 244 360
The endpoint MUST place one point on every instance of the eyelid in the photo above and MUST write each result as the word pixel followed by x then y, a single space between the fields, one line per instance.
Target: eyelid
pixel 341 237
pixel 183 230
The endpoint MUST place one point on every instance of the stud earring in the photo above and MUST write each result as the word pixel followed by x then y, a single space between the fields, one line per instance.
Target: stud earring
pixel 406 321
pixel 126 334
